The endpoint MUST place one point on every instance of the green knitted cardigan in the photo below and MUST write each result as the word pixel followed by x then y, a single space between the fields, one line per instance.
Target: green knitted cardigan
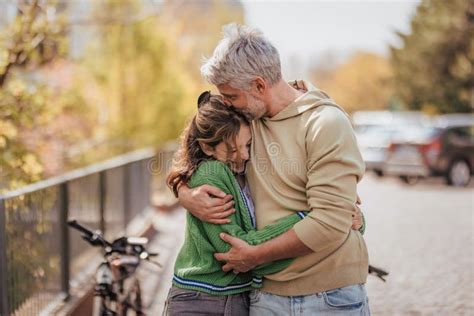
pixel 196 268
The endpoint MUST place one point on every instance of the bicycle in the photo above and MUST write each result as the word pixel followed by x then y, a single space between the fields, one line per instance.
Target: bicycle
pixel 116 289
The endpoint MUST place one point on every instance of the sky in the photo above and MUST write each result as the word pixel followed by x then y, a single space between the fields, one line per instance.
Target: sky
pixel 306 31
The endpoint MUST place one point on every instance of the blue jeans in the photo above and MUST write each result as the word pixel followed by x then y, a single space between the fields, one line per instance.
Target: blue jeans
pixel 349 300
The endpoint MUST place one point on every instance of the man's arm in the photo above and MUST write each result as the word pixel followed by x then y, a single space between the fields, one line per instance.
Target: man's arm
pixel 334 167
pixel 207 203
pixel 243 257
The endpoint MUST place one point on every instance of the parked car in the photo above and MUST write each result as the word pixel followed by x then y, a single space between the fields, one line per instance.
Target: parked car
pixel 375 130
pixel 446 148
pixel 364 120
pixel 374 144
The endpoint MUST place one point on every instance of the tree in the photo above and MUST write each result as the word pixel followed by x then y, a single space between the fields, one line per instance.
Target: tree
pixel 433 67
pixel 34 109
pixel 145 71
pixel 137 77
pixel 29 42
pixel 198 35
pixel 134 86
pixel 361 83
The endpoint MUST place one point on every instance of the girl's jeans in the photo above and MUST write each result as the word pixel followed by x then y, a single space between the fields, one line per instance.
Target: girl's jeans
pixel 188 302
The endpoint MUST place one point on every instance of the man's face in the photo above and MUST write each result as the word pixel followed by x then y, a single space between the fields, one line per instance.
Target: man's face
pixel 252 107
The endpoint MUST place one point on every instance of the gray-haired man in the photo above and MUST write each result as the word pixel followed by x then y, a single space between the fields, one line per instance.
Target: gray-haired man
pixel 304 157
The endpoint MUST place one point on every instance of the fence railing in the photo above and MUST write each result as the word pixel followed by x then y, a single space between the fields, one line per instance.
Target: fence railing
pixel 39 258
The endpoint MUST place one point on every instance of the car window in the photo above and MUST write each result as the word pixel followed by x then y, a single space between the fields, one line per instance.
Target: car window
pixel 463 135
pixel 464 132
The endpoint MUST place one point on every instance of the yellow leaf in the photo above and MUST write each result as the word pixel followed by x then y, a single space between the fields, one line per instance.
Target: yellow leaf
pixel 7 129
pixel 31 165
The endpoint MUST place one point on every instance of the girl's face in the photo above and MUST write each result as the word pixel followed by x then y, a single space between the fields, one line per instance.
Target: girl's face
pixel 238 153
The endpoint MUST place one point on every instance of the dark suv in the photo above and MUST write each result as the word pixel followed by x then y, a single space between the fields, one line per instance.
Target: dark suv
pixel 446 148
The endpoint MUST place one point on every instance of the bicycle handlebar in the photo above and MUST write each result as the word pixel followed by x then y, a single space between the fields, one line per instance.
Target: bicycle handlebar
pixel 96 239
pixel 90 235
pixel 76 225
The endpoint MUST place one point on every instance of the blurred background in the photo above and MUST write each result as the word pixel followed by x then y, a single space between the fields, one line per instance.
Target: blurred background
pixel 86 82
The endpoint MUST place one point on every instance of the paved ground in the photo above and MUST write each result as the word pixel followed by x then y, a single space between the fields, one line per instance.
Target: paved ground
pixel 168 240
pixel 423 235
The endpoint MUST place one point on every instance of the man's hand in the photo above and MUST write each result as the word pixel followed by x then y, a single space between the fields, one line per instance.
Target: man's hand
pixel 207 203
pixel 240 258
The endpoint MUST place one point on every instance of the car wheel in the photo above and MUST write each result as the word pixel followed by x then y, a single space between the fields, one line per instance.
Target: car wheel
pixel 378 172
pixel 459 173
pixel 411 180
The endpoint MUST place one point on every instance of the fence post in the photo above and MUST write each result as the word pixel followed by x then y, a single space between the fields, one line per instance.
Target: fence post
pixel 64 231
pixel 102 199
pixel 147 179
pixel 4 308
pixel 126 195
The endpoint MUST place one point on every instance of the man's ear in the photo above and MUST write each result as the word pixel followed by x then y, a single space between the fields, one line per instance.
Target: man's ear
pixel 208 150
pixel 260 85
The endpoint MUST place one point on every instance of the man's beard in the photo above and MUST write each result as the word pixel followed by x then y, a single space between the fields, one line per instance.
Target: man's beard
pixel 255 108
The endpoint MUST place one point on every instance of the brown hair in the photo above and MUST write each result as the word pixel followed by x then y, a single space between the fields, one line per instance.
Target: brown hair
pixel 213 123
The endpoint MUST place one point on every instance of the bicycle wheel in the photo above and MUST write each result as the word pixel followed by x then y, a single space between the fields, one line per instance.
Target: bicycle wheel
pixel 133 306
pixel 100 306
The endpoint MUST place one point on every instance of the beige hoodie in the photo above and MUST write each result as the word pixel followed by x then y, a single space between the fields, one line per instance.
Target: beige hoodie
pixel 306 158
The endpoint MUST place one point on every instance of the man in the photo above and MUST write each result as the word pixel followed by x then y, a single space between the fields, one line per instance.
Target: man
pixel 304 156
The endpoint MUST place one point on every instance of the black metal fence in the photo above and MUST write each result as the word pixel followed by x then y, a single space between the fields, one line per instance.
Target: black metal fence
pixel 39 258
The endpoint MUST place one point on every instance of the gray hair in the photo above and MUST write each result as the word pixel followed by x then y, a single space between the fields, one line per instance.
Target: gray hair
pixel 242 55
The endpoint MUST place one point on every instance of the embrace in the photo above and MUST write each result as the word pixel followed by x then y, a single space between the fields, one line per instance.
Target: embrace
pixel 268 172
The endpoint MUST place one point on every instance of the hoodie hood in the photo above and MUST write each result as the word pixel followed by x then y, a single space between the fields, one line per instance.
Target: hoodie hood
pixel 311 99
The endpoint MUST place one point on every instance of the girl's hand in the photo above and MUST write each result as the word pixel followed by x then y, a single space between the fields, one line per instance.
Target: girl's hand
pixel 357 216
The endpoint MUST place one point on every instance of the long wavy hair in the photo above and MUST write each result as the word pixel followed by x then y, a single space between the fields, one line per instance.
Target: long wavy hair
pixel 213 123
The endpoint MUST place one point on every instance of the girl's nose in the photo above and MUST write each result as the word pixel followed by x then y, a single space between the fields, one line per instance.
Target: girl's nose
pixel 244 155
